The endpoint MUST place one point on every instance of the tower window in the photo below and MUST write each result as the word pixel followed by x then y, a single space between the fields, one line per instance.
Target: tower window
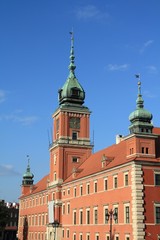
pixel 142 149
pixel 74 135
pixel 147 150
pixel 57 125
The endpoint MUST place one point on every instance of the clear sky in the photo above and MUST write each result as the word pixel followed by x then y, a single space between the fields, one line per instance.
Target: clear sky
pixel 114 40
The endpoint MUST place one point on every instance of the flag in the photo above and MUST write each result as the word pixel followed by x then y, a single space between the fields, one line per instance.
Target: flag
pixel 137 75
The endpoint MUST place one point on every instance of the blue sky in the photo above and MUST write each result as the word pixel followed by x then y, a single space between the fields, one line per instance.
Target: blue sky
pixel 114 40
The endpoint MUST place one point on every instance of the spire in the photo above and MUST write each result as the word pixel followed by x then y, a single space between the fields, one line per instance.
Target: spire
pixel 139 100
pixel 28 176
pixel 72 92
pixel 72 67
pixel 140 119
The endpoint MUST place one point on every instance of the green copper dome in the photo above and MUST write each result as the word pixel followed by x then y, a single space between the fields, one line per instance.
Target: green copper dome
pixel 141 118
pixel 27 176
pixel 71 92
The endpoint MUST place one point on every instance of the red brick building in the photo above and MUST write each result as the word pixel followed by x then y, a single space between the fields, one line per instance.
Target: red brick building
pixel 113 194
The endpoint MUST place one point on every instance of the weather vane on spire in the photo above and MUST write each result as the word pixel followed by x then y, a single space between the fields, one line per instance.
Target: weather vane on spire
pixel 139 83
pixel 72 38
pixel 28 159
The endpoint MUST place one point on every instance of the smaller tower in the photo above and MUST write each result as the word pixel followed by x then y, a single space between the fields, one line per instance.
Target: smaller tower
pixel 140 119
pixel 27 181
pixel 141 141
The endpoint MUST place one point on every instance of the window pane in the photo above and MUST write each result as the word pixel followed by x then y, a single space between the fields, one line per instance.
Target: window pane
pixel 157 214
pixel 157 179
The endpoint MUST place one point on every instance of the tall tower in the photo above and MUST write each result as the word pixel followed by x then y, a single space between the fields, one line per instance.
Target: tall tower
pixel 71 139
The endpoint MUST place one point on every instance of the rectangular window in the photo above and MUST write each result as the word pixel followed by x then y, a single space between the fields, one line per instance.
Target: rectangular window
pixel 105 184
pixel 142 149
pixel 157 212
pixel 87 216
pixel 74 135
pixel 74 236
pixel 57 124
pixel 97 237
pixel 88 236
pixel 106 215
pixel 81 190
pixel 63 209
pixel 95 187
pixel 127 238
pixel 74 217
pixel 127 214
pixel 115 182
pixel 81 217
pixel 68 208
pixel 80 236
pixel 147 150
pixel 55 176
pixel 157 179
pixel 63 233
pixel 126 179
pixel 88 188
pixel 107 238
pixel 95 216
pixel 116 212
pixel 67 233
pixel 75 160
pixel 75 192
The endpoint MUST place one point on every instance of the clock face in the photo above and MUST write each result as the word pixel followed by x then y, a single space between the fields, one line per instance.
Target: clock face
pixel 74 122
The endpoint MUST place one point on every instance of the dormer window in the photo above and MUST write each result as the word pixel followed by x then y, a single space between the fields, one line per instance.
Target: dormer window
pixel 75 159
pixel 75 92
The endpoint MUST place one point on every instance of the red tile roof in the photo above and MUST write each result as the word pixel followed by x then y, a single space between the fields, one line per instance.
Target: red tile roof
pixel 116 155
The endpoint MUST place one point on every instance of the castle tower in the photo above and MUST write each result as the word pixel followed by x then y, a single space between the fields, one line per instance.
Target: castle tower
pixel 27 181
pixel 140 119
pixel 71 139
pixel 142 140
